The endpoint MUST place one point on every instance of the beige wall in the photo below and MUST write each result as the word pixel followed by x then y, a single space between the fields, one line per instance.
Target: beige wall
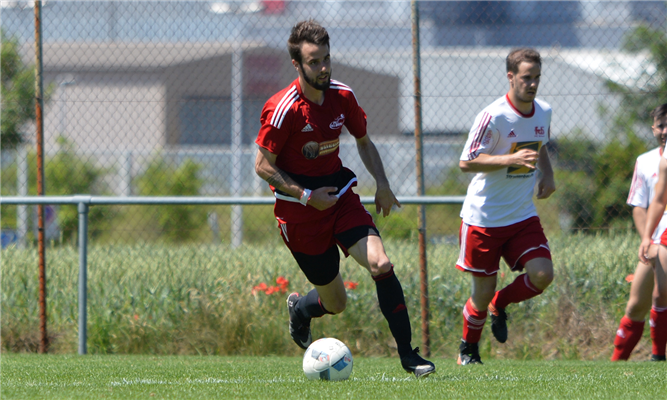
pixel 107 111
pixel 111 109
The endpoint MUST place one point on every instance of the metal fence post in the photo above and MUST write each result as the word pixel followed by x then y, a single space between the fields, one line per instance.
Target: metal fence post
pixel 83 271
pixel 419 160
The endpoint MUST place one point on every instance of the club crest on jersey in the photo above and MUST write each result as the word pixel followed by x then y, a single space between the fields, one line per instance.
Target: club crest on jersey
pixel 312 150
pixel 487 137
pixel 539 131
pixel 338 122
pixel 511 134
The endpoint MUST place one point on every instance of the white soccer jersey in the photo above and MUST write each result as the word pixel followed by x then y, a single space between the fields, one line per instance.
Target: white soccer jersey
pixel 504 197
pixel 642 189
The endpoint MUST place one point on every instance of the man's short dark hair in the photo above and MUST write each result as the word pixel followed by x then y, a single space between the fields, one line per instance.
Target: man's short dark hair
pixel 306 31
pixel 659 112
pixel 517 56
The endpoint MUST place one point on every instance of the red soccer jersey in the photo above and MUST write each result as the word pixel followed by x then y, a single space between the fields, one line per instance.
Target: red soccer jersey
pixel 305 138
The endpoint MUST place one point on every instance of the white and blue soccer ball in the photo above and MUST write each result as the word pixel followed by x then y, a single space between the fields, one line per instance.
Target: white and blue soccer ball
pixel 327 359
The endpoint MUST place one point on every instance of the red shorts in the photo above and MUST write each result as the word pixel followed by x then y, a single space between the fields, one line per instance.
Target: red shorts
pixel 481 248
pixel 316 237
pixel 663 238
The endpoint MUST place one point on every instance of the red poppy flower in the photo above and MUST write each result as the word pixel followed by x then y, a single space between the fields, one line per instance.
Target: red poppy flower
pixel 282 282
pixel 630 278
pixel 259 288
pixel 350 285
pixel 272 289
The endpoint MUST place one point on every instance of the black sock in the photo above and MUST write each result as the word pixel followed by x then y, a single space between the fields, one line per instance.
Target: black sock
pixel 309 306
pixel 392 304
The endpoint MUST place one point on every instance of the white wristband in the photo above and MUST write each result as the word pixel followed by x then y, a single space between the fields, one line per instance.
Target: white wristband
pixel 305 196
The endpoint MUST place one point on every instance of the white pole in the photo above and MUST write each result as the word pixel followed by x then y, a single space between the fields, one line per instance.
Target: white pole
pixel 126 174
pixel 236 144
pixel 62 95
pixel 63 81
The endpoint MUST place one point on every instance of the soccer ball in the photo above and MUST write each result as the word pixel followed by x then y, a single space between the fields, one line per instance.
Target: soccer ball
pixel 328 359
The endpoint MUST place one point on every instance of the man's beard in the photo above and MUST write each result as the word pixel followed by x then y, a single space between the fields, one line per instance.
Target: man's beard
pixel 313 82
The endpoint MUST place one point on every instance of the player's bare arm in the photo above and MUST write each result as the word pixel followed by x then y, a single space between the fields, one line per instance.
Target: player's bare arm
pixel 265 167
pixel 384 196
pixel 546 185
pixel 488 163
pixel 639 217
pixel 655 211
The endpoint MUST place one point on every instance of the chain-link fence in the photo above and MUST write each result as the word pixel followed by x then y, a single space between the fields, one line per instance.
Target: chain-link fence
pixel 163 98
pixel 145 98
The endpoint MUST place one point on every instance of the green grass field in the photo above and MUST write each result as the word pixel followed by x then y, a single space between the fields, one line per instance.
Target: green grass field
pixel 31 376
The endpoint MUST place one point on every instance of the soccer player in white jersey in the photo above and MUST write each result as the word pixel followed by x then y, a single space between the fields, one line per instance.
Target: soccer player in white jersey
pixel 649 286
pixel 505 146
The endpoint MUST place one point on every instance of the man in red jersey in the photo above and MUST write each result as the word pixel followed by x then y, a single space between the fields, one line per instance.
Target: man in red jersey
pixel 316 209
pixel 505 146
pixel 649 287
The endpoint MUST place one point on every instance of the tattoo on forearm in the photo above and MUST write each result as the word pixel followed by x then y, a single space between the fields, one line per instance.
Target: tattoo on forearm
pixel 278 180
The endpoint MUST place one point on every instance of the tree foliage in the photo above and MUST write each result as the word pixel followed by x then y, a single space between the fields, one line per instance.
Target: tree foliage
pixel 176 223
pixel 67 173
pixel 594 179
pixel 638 101
pixel 18 93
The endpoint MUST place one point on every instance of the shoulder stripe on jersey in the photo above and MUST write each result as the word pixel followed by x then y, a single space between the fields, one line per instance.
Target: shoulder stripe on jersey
pixel 479 136
pixel 289 93
pixel 287 106
pixel 341 86
pixel 281 109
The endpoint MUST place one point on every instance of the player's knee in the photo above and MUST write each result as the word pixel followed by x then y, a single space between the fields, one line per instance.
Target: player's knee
pixel 542 278
pixel 660 299
pixel 635 312
pixel 337 306
pixel 381 267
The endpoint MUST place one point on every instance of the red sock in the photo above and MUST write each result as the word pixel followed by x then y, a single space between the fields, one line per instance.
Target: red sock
pixel 658 324
pixel 519 290
pixel 627 336
pixel 473 322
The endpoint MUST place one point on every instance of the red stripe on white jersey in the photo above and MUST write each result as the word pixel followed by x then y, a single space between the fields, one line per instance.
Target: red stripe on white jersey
pixel 479 136
pixel 635 182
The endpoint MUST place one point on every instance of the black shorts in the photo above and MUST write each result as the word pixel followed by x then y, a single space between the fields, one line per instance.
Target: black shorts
pixel 322 269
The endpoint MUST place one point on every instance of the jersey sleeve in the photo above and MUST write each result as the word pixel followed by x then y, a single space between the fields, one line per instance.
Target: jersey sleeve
pixel 274 130
pixel 639 190
pixel 482 137
pixel 355 122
